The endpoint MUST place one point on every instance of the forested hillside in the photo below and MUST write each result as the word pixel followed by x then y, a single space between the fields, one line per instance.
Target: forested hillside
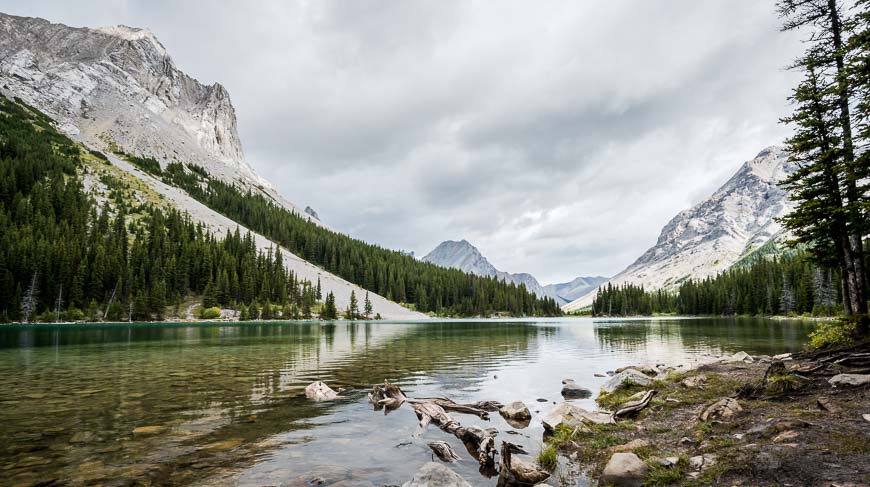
pixel 397 276
pixel 784 285
pixel 65 255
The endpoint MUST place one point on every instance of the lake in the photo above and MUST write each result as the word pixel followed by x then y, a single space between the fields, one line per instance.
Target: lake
pixel 223 404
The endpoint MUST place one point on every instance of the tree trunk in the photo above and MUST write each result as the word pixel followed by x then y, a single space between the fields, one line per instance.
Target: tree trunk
pixel 857 279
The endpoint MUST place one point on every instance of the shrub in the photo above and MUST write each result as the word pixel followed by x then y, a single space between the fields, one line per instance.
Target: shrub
pixel 210 313
pixel 838 332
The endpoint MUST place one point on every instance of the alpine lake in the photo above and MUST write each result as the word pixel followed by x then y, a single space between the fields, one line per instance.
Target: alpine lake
pixel 224 403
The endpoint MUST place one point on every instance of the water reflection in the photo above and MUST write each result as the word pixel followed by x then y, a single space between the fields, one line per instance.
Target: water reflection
pixel 183 404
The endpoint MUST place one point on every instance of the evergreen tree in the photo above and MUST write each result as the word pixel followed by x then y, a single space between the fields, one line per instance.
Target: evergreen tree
pixel 368 307
pixel 352 312
pixel 830 53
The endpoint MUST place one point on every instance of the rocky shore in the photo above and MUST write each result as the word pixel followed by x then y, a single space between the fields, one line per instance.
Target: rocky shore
pixel 799 420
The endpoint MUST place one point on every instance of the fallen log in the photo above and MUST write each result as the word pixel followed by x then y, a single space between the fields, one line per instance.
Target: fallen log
pixel 479 409
pixel 633 407
pixel 444 451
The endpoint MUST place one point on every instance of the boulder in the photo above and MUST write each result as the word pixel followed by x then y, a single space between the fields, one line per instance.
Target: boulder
pixel 725 408
pixel 436 475
pixel 626 378
pixel 624 470
pixel 570 390
pixel 866 417
pixel 573 417
pixel 849 380
pixel 319 391
pixel 516 411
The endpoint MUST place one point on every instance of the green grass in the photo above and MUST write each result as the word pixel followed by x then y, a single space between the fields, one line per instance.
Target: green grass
pixel 548 457
pixel 661 475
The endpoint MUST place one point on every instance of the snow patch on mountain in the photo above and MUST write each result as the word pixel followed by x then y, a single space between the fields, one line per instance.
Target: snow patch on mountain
pixel 711 236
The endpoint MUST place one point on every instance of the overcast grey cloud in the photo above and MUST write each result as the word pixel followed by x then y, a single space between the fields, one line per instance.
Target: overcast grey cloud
pixel 559 137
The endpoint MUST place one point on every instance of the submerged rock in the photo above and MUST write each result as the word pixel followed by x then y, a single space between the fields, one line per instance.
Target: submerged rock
pixel 570 390
pixel 436 475
pixel 851 380
pixel 626 378
pixel 624 470
pixel 573 416
pixel 319 391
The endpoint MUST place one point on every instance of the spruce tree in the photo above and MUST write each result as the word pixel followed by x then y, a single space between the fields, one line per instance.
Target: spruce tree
pixel 367 306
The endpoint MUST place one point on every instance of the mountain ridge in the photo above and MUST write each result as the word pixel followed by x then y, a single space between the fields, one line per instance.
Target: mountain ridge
pixel 462 255
pixel 708 238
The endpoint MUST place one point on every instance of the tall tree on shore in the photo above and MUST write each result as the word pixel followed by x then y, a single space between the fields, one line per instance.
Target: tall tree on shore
pixel 827 64
pixel 367 306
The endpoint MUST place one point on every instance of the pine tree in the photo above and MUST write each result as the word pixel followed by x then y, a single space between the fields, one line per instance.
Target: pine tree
pixel 368 307
pixel 352 307
pixel 829 56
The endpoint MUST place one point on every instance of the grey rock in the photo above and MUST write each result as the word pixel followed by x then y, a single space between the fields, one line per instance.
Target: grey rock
pixel 702 462
pixel 725 408
pixel 739 357
pixel 849 380
pixel 624 470
pixel 516 410
pixel 573 416
pixel 570 390
pixel 627 377
pixel 436 475
pixel 319 391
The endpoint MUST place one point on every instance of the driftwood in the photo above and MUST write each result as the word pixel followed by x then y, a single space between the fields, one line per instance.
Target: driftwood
pixel 428 412
pixel 478 441
pixel 444 451
pixel 633 407
pixel 480 409
pixel 514 471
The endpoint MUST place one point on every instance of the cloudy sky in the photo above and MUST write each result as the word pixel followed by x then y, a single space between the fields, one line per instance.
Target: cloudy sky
pixel 558 137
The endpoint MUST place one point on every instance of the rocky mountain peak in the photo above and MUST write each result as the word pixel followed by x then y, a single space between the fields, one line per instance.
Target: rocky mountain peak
pixel 119 85
pixel 714 234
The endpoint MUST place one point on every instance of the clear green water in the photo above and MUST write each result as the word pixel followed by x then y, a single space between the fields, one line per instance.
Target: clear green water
pixel 224 404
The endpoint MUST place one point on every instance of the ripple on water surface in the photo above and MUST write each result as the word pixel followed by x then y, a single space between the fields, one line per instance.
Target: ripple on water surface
pixel 222 404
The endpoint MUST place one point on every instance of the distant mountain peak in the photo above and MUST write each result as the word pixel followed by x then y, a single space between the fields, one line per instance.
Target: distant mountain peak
pixel 462 255
pixel 708 238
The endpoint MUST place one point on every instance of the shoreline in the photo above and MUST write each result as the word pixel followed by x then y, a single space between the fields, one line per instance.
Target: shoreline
pixel 738 420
